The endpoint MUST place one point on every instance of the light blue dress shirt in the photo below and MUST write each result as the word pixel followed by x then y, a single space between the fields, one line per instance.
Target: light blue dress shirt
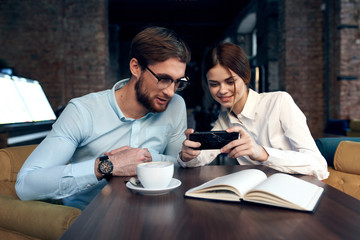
pixel 88 127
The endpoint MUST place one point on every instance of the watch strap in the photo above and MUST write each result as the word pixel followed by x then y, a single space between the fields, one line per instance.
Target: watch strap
pixel 101 159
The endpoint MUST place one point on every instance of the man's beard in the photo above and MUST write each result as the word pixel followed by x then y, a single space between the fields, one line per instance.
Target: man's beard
pixel 143 97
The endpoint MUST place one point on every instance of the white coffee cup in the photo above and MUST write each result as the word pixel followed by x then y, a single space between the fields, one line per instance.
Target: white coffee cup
pixel 155 175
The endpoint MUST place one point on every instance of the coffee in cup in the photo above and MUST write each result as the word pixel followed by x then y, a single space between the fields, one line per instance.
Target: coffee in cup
pixel 155 175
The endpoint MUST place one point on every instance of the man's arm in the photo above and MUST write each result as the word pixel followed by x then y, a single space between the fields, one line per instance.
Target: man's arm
pixel 47 172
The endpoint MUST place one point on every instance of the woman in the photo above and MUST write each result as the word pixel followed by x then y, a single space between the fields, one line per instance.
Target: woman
pixel 273 130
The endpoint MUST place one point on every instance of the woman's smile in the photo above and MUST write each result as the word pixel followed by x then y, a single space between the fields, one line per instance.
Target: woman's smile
pixel 225 99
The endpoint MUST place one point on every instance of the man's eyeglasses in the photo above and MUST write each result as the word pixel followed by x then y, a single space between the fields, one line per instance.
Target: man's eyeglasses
pixel 165 82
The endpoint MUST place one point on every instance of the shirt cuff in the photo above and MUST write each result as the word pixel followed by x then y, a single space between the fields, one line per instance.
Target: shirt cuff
pixel 192 163
pixel 84 173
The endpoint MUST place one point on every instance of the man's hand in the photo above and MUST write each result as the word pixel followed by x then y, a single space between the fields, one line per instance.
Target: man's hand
pixel 125 159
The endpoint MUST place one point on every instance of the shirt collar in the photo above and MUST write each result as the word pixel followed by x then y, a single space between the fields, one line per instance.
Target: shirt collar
pixel 120 84
pixel 122 117
pixel 113 102
pixel 250 110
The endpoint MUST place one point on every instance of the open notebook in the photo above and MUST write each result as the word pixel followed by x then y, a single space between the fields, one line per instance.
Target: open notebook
pixel 252 185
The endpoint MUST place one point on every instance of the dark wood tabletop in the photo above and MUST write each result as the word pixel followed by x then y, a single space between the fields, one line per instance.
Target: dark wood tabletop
pixel 118 213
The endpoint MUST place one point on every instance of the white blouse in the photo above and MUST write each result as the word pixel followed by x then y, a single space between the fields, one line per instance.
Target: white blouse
pixel 275 122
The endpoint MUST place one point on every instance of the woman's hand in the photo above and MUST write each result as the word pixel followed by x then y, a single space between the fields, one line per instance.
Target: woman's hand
pixel 187 152
pixel 244 146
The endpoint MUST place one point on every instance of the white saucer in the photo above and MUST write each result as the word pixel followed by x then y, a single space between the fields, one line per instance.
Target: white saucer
pixel 173 184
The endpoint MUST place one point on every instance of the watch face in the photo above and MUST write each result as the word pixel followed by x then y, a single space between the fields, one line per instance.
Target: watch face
pixel 105 167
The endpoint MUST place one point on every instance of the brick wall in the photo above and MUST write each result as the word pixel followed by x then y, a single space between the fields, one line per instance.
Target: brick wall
pixel 301 62
pixel 267 42
pixel 333 59
pixel 319 63
pixel 61 43
pixel 64 44
pixel 345 77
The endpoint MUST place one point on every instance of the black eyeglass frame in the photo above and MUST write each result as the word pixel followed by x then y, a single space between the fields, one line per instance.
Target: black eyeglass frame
pixel 184 80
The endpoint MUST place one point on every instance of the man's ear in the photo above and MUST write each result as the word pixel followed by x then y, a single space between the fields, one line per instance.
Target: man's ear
pixel 135 68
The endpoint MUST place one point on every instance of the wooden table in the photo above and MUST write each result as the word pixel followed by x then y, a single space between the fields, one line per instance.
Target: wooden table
pixel 118 213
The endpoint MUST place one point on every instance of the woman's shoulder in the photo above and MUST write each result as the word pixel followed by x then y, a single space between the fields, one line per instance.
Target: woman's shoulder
pixel 277 96
pixel 274 94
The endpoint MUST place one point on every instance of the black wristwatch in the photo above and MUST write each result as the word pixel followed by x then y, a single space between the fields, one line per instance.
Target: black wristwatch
pixel 105 167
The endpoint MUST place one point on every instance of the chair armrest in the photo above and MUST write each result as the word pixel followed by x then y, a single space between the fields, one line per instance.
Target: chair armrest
pixel 347 157
pixel 345 182
pixel 35 218
pixel 12 158
pixel 328 145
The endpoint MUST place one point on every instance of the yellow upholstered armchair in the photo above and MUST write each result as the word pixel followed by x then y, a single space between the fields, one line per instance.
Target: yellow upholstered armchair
pixel 27 219
pixel 343 157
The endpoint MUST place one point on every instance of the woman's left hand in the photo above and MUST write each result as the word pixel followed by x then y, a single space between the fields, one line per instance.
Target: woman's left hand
pixel 243 146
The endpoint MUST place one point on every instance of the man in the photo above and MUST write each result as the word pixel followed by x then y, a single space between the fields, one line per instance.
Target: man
pixel 108 133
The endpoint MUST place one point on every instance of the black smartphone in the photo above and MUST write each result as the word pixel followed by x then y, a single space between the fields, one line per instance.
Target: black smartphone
pixel 213 139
